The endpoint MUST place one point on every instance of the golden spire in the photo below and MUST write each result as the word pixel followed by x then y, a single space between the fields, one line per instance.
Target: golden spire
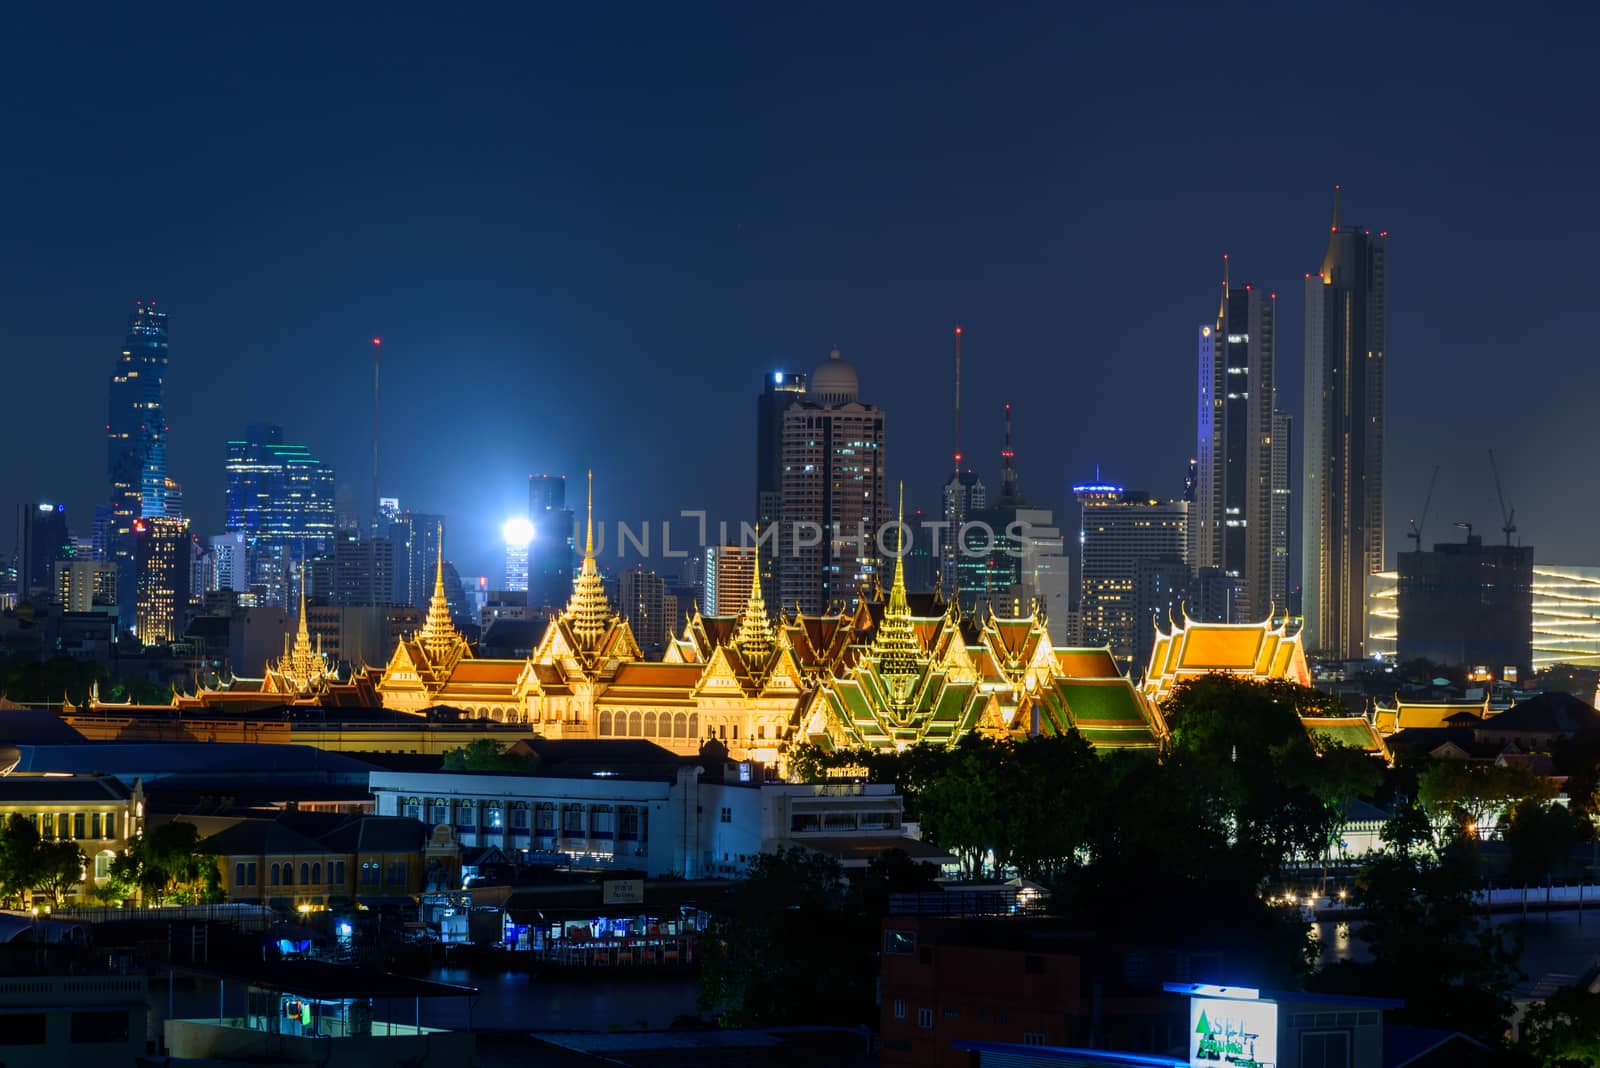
pixel 895 644
pixel 302 665
pixel 754 637
pixel 588 611
pixel 438 634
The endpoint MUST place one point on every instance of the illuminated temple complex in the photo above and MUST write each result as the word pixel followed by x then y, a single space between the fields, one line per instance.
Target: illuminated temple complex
pixel 878 676
pixel 1257 651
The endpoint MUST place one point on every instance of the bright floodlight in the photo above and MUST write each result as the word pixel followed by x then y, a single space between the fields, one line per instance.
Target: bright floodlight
pixel 517 531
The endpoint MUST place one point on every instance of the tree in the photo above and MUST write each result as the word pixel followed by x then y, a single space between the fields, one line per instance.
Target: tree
pixel 168 863
pixel 1563 1031
pixel 1465 794
pixel 1540 836
pixel 1407 830
pixel 486 754
pixel 19 858
pixel 59 869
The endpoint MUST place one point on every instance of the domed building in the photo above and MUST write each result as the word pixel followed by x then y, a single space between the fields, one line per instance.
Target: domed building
pixel 833 383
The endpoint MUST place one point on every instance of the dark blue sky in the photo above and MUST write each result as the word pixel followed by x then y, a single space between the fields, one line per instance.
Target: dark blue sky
pixel 585 235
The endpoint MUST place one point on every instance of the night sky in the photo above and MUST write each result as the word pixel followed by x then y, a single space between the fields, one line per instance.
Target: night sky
pixel 586 235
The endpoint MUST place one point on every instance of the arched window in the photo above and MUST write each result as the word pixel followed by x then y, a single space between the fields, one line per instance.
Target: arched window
pixel 272 875
pixel 649 724
pixel 439 810
pixel 519 815
pixel 680 725
pixel 605 723
pixel 412 808
pixel 466 814
pixel 493 818
pixel 602 822
pixel 633 725
pixel 288 875
pixel 694 726
pixel 316 874
pixel 545 818
pixel 305 873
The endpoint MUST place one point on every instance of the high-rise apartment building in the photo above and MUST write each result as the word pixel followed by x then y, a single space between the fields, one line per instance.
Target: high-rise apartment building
pixel 783 390
pixel 1235 524
pixel 550 552
pixel 85 585
pixel 1341 488
pixel 161 599
pixel 1121 528
pixel 833 504
pixel 729 571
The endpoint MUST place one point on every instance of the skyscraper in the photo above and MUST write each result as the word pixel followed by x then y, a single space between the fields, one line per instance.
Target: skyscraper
pixel 1233 524
pixel 729 571
pixel 643 600
pixel 136 441
pixel 1120 529
pixel 783 390
pixel 1341 497
pixel 416 551
pixel 281 497
pixel 832 491
pixel 550 552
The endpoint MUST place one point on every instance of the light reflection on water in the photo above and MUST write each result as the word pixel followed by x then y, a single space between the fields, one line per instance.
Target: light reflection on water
pixel 1560 944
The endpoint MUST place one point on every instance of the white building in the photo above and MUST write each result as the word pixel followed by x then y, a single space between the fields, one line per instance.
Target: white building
pixel 664 821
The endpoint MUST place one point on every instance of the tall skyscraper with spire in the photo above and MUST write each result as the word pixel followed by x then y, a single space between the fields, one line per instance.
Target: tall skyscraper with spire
pixel 136 441
pixel 1234 525
pixel 1342 486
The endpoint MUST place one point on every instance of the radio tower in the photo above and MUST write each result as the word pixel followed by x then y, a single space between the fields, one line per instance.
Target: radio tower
pixel 958 399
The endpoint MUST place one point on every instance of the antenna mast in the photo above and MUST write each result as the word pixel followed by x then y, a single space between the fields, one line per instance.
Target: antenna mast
pixel 958 399
pixel 377 344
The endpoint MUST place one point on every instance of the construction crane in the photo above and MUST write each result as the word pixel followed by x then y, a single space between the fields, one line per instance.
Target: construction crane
pixel 1509 518
pixel 1415 533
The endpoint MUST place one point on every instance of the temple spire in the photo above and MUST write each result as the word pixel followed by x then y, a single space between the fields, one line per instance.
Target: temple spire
pixel 754 637
pixel 588 611
pixel 438 634
pixel 895 644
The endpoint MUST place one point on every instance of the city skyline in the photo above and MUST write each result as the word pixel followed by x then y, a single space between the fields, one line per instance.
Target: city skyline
pixel 1079 282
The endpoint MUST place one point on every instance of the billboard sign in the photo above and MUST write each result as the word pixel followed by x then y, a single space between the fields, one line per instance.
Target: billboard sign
pixel 1228 1033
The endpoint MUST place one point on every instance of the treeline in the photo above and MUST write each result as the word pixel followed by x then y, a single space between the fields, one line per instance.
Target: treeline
pixel 29 681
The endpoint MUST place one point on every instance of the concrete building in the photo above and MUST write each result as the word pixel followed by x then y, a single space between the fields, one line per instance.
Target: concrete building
pixel 1120 528
pixel 643 600
pixel 53 1020
pixel 833 492
pixel 782 390
pixel 1342 485
pixel 85 585
pixel 99 813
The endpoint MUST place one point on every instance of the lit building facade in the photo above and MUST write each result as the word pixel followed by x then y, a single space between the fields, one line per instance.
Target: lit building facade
pixel 782 390
pixel 1342 482
pixel 647 607
pixel 278 490
pixel 136 443
pixel 1120 528
pixel 417 538
pixel 85 585
pixel 1564 617
pixel 833 508
pixel 162 555
pixel 1236 524
pixel 730 569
